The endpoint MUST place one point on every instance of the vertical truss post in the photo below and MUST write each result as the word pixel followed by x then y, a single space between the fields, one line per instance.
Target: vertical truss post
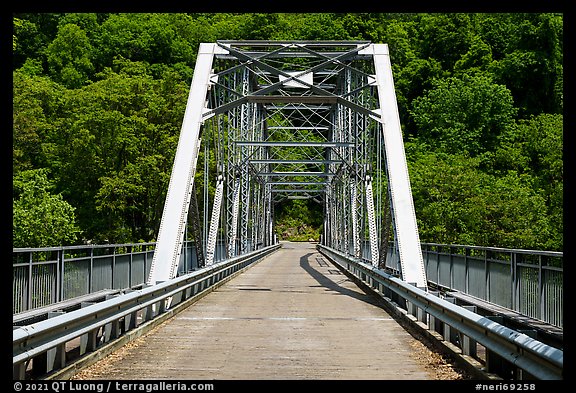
pixel 329 230
pixel 343 208
pixel 373 232
pixel 262 216
pixel 326 222
pixel 385 233
pixel 359 136
pixel 268 229
pixel 196 230
pixel 255 208
pixel 357 163
pixel 247 132
pixel 232 170
pixel 234 222
pixel 355 217
pixel 214 221
pixel 246 202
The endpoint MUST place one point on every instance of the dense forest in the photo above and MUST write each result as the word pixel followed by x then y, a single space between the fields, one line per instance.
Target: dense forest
pixel 98 100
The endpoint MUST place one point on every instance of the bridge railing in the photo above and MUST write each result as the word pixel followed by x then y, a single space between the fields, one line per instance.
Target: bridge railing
pixel 527 281
pixel 52 346
pixel 43 276
pixel 507 353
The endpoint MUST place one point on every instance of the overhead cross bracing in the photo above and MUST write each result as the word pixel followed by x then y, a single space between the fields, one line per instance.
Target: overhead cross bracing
pixel 270 120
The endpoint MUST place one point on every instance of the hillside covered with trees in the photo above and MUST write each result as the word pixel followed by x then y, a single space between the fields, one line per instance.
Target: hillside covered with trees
pixel 98 100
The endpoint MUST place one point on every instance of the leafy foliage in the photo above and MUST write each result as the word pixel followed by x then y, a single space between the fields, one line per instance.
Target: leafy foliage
pixel 35 206
pixel 98 101
pixel 299 220
pixel 457 203
pixel 464 115
pixel 69 56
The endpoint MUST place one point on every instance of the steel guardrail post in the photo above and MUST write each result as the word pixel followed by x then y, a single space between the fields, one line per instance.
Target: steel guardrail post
pixel 29 300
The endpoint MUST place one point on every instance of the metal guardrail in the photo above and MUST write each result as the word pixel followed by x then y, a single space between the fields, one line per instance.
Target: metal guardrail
pixel 517 350
pixel 44 343
pixel 43 276
pixel 527 281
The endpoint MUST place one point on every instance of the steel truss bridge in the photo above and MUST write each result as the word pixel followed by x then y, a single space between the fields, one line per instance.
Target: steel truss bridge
pixel 313 120
pixel 268 121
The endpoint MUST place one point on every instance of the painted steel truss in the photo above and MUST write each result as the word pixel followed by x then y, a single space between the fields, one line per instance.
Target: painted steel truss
pixel 292 119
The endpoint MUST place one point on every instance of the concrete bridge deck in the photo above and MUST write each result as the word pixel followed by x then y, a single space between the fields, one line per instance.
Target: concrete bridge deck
pixel 291 316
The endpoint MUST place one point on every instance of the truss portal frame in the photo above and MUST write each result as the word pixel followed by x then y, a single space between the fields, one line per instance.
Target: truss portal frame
pixel 292 119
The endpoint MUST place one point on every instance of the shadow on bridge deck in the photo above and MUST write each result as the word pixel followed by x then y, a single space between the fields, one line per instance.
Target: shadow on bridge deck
pixel 291 316
pixel 327 282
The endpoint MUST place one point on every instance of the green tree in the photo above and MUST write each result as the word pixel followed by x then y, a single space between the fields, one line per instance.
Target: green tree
pixel 40 217
pixel 497 31
pixel 535 147
pixel 532 67
pixel 69 56
pixel 512 213
pixel 464 115
pixel 98 100
pixel 411 82
pixel 88 22
pixel 35 104
pixel 298 220
pixel 311 26
pixel 477 59
pixel 444 37
pixel 457 202
pixel 397 34
pixel 112 151
pixel 32 34
pixel 151 38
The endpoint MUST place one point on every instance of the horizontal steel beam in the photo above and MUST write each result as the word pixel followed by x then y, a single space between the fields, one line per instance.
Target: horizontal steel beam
pixel 263 99
pixel 288 49
pixel 293 144
pixel 79 247
pixel 302 107
pixel 319 73
pixel 325 86
pixel 288 54
pixel 558 254
pixel 289 43
pixel 297 190
pixel 298 183
pixel 275 99
pixel 324 128
pixel 278 174
pixel 309 162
